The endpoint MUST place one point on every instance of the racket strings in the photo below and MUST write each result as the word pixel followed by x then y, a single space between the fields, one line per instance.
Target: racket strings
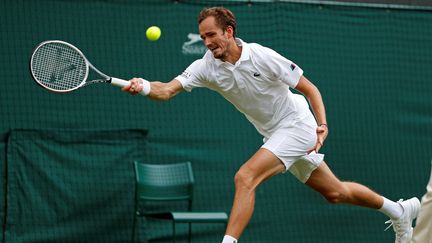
pixel 59 67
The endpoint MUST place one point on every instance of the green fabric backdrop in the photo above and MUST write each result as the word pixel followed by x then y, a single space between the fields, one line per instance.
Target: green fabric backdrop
pixel 372 66
pixel 71 185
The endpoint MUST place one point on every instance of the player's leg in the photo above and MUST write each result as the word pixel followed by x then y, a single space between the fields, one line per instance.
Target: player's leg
pixel 261 166
pixel 335 191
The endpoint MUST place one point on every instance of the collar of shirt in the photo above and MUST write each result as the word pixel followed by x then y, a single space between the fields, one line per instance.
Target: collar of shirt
pixel 245 55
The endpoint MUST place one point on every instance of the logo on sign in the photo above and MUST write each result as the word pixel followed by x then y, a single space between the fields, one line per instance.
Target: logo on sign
pixel 194 46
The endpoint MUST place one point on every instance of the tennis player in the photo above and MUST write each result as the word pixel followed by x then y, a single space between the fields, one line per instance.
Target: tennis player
pixel 257 81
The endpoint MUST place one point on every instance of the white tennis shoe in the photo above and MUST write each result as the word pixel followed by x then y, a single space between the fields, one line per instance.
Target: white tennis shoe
pixel 403 225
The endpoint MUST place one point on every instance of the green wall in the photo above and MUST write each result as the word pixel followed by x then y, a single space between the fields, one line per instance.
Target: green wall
pixel 372 66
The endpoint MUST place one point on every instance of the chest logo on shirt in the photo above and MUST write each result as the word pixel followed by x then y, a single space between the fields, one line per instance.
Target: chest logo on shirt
pixel 256 74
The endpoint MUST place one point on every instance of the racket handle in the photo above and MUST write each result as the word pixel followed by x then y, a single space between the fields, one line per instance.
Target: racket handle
pixel 121 83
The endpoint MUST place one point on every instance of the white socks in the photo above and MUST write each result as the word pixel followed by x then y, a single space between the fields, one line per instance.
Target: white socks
pixel 229 239
pixel 392 209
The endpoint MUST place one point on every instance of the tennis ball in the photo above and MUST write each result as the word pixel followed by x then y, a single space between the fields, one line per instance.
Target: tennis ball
pixel 153 33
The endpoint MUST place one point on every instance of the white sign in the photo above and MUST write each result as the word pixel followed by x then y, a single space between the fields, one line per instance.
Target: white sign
pixel 194 46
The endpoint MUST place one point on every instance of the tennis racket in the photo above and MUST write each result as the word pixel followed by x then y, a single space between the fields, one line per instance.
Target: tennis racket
pixel 61 67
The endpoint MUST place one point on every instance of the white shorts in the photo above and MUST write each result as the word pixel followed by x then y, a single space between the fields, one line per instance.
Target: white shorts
pixel 291 146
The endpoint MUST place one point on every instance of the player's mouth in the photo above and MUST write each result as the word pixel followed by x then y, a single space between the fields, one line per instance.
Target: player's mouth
pixel 216 50
pixel 213 49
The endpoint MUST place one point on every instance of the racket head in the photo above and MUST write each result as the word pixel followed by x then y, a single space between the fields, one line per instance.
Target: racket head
pixel 58 66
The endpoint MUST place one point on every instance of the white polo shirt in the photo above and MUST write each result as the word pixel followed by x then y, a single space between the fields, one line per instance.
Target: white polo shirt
pixel 257 85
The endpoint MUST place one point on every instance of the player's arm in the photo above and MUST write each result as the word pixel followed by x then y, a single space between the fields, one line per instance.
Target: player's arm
pixel 312 93
pixel 155 90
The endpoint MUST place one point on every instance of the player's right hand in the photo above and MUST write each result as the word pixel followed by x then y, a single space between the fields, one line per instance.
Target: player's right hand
pixel 135 86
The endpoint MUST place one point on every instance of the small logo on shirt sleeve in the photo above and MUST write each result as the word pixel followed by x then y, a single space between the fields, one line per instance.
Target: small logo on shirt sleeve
pixel 186 74
pixel 293 66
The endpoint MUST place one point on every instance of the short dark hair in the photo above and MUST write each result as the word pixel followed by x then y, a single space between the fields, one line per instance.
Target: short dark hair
pixel 223 16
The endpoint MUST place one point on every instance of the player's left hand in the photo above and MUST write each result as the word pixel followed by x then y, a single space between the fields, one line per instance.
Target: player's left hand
pixel 322 132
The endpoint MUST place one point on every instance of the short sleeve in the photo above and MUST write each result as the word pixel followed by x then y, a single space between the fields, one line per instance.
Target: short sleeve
pixel 281 68
pixel 192 77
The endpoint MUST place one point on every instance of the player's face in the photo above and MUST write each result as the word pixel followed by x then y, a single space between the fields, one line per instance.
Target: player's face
pixel 215 39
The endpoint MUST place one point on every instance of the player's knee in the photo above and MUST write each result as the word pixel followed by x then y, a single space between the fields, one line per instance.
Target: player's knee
pixel 333 197
pixel 339 195
pixel 243 179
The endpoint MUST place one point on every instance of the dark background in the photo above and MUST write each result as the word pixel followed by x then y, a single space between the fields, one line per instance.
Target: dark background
pixel 67 159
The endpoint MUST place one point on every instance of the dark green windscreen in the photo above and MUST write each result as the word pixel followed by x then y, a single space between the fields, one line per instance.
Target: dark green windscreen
pixel 372 65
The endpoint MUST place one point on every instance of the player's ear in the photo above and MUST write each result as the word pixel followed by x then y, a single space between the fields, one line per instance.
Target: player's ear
pixel 230 31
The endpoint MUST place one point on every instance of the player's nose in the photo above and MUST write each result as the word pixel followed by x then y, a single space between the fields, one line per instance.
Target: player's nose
pixel 207 43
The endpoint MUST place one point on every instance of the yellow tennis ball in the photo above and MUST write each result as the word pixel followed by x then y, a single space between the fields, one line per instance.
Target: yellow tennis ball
pixel 153 33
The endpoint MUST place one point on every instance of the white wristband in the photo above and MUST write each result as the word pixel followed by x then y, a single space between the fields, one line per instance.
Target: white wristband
pixel 146 86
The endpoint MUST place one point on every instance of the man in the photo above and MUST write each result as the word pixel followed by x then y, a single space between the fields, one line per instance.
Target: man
pixel 423 229
pixel 256 80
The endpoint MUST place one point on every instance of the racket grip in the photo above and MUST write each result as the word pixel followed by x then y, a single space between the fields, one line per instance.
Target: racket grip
pixel 121 83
